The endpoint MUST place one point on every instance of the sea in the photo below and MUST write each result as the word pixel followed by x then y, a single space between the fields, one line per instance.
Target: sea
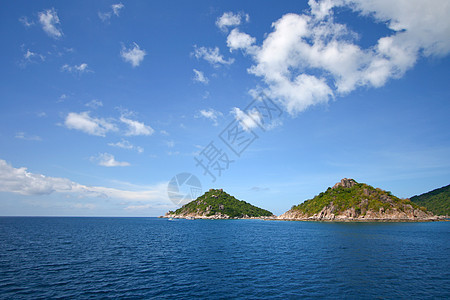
pixel 151 258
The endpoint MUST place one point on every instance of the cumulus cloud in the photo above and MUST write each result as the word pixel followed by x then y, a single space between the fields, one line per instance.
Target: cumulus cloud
pixel 20 181
pixel 90 125
pixel 124 144
pixel 229 19
pixel 210 114
pixel 310 58
pixel 248 120
pixel 200 77
pixel 134 55
pixel 108 160
pixel 136 127
pixel 239 40
pixel 50 23
pixel 80 69
pixel 211 55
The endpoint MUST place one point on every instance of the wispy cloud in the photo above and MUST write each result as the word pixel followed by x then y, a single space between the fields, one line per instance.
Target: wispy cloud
pixel 124 144
pixel 108 160
pixel 50 22
pixel 31 57
pixel 90 125
pixel 133 55
pixel 23 136
pixel 229 19
pixel 20 181
pixel 210 114
pixel 211 55
pixel 24 20
pixel 80 69
pixel 200 77
pixel 136 127
pixel 115 10
pixel 94 104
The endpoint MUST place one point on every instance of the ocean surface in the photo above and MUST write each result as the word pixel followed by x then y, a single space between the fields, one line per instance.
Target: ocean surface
pixel 221 259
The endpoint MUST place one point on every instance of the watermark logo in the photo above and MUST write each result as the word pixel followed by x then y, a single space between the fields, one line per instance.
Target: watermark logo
pixel 260 115
pixel 183 188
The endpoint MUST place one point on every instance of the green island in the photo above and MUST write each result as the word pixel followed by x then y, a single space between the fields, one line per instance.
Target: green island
pixel 217 204
pixel 437 201
pixel 349 200
pixel 346 201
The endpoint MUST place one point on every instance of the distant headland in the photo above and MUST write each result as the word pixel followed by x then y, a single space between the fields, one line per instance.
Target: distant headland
pixel 346 201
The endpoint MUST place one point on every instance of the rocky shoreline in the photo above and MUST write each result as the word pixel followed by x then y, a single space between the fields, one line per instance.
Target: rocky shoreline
pixel 339 218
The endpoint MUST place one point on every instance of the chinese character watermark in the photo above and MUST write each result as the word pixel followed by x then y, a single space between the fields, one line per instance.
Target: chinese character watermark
pixel 262 113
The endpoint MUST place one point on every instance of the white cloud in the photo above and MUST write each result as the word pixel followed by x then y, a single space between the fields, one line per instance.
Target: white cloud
pixel 229 19
pixel 200 77
pixel 210 114
pixel 80 69
pixel 164 132
pixel 134 55
pixel 31 57
pixel 94 103
pixel 108 160
pixel 25 22
pixel 50 23
pixel 124 144
pixel 20 181
pixel 249 120
pixel 239 40
pixel 84 122
pixel 211 55
pixel 115 10
pixel 61 98
pixel 136 127
pixel 23 136
pixel 309 58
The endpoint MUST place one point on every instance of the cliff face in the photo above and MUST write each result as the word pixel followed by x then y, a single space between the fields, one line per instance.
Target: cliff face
pixel 348 200
pixel 217 204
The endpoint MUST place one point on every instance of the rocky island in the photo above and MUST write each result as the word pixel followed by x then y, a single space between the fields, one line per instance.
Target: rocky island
pixel 217 204
pixel 349 200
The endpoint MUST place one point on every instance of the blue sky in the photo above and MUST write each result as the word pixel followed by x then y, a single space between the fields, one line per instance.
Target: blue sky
pixel 104 102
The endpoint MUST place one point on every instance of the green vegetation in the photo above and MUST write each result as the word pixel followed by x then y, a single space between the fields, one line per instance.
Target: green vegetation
pixel 360 196
pixel 217 201
pixel 437 201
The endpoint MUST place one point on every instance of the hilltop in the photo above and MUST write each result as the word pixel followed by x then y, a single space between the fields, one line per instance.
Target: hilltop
pixel 437 201
pixel 217 204
pixel 349 200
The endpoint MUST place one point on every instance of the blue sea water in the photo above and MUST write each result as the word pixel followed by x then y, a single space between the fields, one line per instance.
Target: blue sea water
pixel 156 258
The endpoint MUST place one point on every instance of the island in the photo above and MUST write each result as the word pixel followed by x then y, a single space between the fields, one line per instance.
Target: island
pixel 346 201
pixel 349 200
pixel 217 204
pixel 437 201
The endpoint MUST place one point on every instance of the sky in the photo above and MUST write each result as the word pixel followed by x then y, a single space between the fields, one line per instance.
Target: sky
pixel 104 103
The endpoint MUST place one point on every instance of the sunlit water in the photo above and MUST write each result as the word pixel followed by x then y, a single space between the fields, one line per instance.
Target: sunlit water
pixel 151 258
